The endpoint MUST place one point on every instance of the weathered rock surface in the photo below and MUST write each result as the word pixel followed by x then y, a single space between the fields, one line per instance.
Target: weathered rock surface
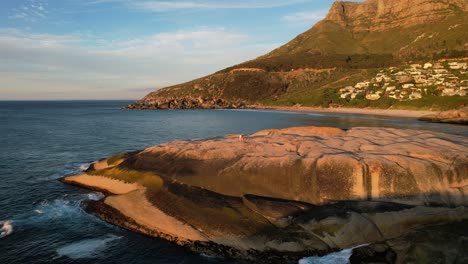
pixel 317 165
pixel 289 193
pixel 459 116
pixel 379 15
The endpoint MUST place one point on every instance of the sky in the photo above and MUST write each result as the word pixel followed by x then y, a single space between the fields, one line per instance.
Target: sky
pixel 123 49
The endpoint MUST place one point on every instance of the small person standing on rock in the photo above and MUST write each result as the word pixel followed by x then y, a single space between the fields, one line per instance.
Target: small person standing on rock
pixel 242 138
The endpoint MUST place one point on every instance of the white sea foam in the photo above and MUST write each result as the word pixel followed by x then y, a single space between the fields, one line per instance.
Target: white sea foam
pixel 56 209
pixel 89 248
pixel 84 167
pixel 95 196
pixel 341 257
pixel 69 206
pixel 6 228
pixel 68 169
pixel 208 256
pixel 314 114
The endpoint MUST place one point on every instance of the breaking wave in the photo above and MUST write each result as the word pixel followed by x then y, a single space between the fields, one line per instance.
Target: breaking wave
pixel 341 257
pixel 68 169
pixel 95 196
pixel 84 167
pixel 6 228
pixel 67 206
pixel 88 248
pixel 45 211
pixel 57 208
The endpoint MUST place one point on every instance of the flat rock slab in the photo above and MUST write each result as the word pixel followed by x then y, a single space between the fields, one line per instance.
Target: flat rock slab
pixel 317 165
pixel 282 194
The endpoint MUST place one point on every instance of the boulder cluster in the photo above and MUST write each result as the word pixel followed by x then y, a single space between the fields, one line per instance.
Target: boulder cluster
pixel 162 103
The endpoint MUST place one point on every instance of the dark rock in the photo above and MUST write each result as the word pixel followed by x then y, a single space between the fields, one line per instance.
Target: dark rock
pixel 375 253
pixel 447 243
pixel 184 103
pixel 278 211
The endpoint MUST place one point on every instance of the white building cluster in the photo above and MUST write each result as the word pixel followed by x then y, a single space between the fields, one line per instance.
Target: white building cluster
pixel 414 81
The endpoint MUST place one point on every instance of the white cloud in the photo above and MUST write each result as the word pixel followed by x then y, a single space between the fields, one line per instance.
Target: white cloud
pixel 305 17
pixel 30 11
pixel 40 66
pixel 165 6
pixel 19 15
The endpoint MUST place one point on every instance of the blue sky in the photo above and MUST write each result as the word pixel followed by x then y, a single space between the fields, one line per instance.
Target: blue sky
pixel 122 49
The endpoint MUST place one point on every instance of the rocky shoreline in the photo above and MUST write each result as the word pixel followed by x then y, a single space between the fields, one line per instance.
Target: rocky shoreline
pixel 190 103
pixel 459 116
pixel 287 194
pixel 162 103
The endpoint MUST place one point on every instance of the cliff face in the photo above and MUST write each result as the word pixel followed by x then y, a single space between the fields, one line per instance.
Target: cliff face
pixel 380 15
pixel 353 39
pixel 386 27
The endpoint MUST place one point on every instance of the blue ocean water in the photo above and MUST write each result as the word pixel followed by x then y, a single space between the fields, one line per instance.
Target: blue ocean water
pixel 41 219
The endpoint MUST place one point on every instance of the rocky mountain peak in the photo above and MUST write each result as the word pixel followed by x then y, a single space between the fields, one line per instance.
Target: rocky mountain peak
pixel 380 15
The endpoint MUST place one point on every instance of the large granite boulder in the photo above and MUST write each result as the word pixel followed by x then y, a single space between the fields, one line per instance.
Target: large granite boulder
pixel 318 165
pixel 280 195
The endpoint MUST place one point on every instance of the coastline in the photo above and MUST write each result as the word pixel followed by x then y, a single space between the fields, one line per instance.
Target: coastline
pixel 361 111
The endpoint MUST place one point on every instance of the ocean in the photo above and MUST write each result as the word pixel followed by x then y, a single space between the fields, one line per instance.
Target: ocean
pixel 42 219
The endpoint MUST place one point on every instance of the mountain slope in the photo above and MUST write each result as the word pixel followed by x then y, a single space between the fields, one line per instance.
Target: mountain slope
pixel 385 30
pixel 350 44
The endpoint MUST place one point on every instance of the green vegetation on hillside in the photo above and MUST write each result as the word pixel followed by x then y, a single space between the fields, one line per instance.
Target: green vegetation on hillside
pixel 335 53
pixel 287 62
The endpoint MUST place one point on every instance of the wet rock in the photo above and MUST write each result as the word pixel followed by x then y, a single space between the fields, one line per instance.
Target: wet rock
pixel 446 243
pixel 379 253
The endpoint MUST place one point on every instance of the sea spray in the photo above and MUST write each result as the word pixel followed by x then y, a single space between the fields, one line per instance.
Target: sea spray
pixel 84 167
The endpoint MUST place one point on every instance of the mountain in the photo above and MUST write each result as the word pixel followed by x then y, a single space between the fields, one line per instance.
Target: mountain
pixel 352 43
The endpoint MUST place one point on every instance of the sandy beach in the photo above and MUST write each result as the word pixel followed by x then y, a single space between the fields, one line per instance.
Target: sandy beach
pixel 361 111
